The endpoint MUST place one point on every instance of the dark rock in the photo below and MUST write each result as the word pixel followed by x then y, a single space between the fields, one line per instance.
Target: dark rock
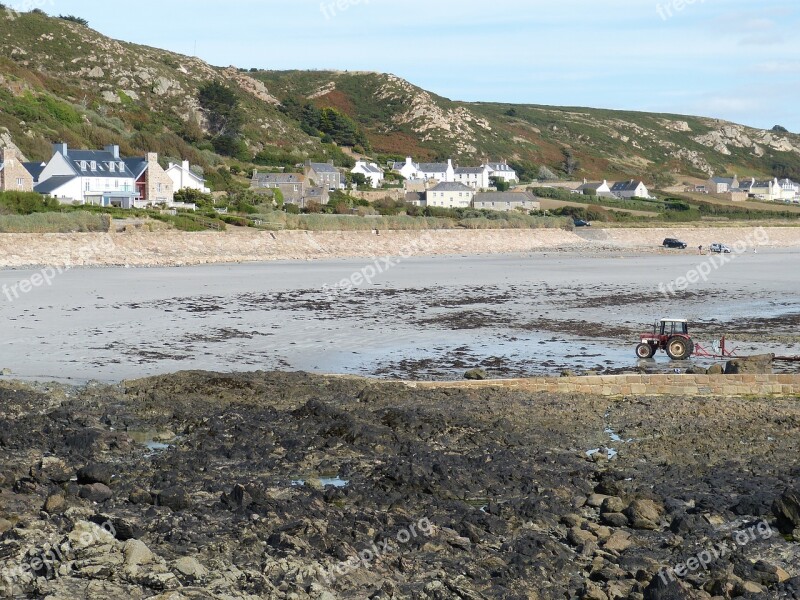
pixel 715 370
pixel 96 492
pixel 751 365
pixel 238 498
pixel 787 510
pixel 140 496
pixel 95 473
pixel 614 519
pixel 476 375
pixel 665 588
pixel 175 498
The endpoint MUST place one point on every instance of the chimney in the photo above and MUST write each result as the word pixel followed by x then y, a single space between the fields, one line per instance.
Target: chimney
pixel 449 163
pixel 61 148
pixel 152 157
pixel 113 149
pixel 8 156
pixel 330 162
pixel 185 165
pixel 409 160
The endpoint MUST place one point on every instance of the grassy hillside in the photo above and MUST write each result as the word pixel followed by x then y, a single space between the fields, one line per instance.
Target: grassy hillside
pixel 60 80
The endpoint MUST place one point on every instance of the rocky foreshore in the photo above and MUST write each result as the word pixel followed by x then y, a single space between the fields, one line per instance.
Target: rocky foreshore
pixel 291 486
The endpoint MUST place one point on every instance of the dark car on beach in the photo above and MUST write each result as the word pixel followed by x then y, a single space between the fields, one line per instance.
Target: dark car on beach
pixel 673 243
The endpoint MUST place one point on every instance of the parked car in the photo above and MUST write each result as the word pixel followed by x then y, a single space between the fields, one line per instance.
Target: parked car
pixel 720 248
pixel 673 243
pixel 582 223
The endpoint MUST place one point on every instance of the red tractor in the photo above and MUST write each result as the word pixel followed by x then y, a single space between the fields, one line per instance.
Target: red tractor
pixel 670 335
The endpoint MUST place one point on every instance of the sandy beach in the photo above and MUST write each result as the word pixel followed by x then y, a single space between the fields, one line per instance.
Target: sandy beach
pixel 173 248
pixel 515 315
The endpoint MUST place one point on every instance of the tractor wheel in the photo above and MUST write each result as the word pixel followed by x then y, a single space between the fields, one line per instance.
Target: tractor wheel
pixel 679 348
pixel 645 351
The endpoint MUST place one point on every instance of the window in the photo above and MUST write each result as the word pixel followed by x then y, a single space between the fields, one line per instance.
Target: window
pixel 88 185
pixel 94 165
pixel 20 182
pixel 111 167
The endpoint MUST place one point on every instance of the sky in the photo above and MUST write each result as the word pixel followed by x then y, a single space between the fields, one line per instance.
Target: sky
pixel 731 59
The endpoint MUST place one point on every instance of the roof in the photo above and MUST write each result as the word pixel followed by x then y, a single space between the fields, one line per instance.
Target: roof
pixel 264 178
pixel 504 197
pixel 414 197
pixel 323 168
pixel 369 168
pixel 499 167
pixel 592 185
pixel 396 166
pixel 432 167
pixel 451 187
pixel 189 172
pixel 53 183
pixel 137 166
pixel 626 186
pixel 676 320
pixel 728 180
pixel 101 159
pixel 469 170
pixel 35 169
pixel 314 192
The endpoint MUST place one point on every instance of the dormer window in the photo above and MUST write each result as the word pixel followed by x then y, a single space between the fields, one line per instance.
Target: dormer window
pixel 94 165
pixel 83 165
pixel 111 167
pixel 121 166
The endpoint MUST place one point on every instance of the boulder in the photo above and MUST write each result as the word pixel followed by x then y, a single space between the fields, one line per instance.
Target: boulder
pixel 476 375
pixel 643 514
pixel 175 498
pixel 54 503
pixel 750 365
pixel 189 569
pixel 715 370
pixel 95 473
pixel 787 510
pixel 5 525
pixel 140 496
pixel 613 504
pixel 96 492
pixel 137 553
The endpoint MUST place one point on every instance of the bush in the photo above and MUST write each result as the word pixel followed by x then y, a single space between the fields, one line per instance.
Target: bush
pixel 80 222
pixel 26 203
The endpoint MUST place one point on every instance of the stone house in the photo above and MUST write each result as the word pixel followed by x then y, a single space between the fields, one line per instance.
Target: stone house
pixel 13 174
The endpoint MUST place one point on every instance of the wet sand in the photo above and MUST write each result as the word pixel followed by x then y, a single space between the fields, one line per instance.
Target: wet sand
pixel 424 318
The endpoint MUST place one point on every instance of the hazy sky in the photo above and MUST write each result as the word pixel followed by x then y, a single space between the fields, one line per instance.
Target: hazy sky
pixel 733 59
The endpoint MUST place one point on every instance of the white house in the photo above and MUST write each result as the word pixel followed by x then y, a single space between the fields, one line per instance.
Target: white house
pixel 441 172
pixel 407 169
pixel 371 171
pixel 502 171
pixel 475 177
pixel 769 189
pixel 789 189
pixel 184 178
pixel 102 177
pixel 450 195
pixel 630 189
pixel 594 188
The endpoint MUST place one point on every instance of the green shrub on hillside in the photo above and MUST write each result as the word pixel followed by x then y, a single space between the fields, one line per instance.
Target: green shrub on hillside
pixel 26 203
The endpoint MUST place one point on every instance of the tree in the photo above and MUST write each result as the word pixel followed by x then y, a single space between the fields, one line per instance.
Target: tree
pixel 221 105
pixel 74 19
pixel 359 179
pixel 500 184
pixel 780 129
pixel 570 163
pixel 546 174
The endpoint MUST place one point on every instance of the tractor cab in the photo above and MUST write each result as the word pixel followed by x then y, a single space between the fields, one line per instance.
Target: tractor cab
pixel 670 327
pixel 669 335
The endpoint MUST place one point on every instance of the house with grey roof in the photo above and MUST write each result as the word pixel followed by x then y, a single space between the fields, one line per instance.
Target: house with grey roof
pixel 291 185
pixel 371 171
pixel 103 177
pixel 630 189
pixel 475 177
pixel 450 195
pixel 722 185
pixel 503 171
pixel 13 174
pixel 323 174
pixel 442 172
pixel 594 188
pixel 506 201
